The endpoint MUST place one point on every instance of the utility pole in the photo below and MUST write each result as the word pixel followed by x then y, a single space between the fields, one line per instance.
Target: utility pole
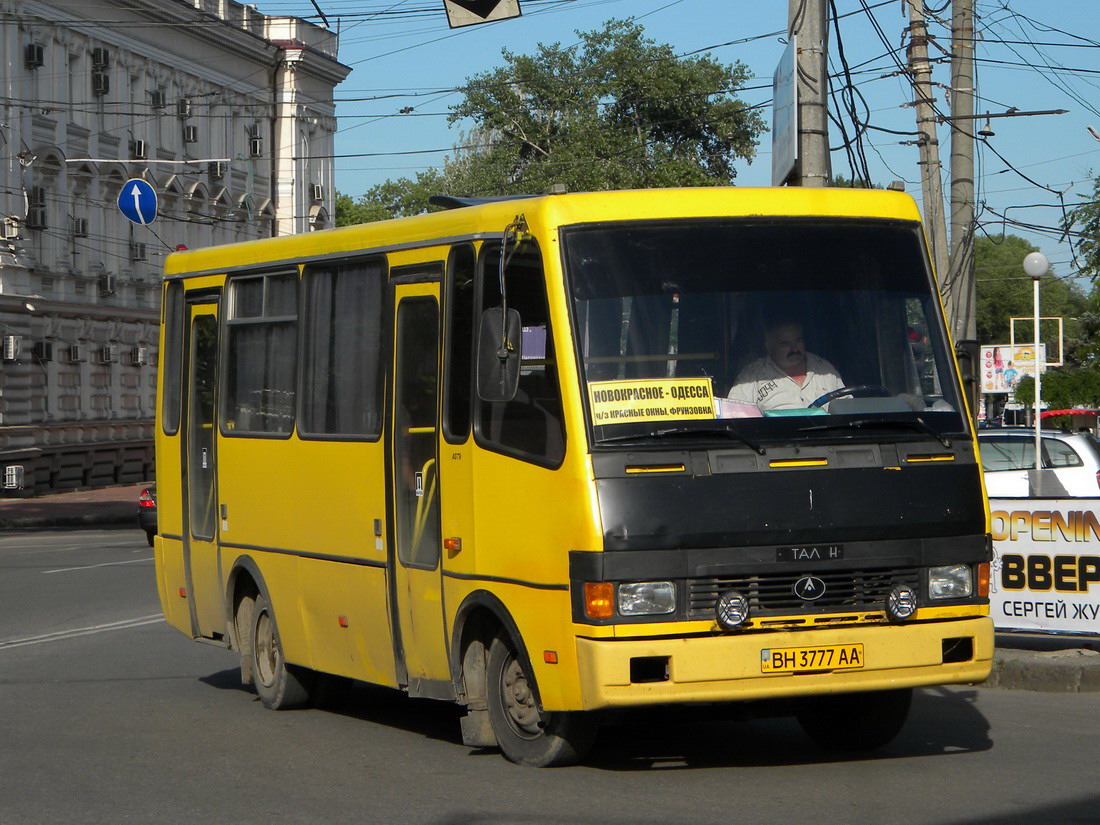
pixel 928 143
pixel 963 290
pixel 808 23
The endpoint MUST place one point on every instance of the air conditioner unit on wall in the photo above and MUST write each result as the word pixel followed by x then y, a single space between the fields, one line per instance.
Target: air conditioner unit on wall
pixel 76 354
pixel 101 84
pixel 107 283
pixel 190 134
pixel 11 229
pixel 12 345
pixel 255 147
pixel 14 477
pixel 317 192
pixel 101 58
pixel 137 251
pixel 36 217
pixel 217 169
pixel 35 56
pixel 183 107
pixel 157 99
pixel 139 356
pixel 80 227
pixel 137 150
pixel 107 354
pixel 43 350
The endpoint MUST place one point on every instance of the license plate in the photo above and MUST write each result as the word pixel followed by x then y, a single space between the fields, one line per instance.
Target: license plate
pixel 808 659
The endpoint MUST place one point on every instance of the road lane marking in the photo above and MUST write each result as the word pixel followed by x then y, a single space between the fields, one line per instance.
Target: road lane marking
pixel 90 566
pixel 154 618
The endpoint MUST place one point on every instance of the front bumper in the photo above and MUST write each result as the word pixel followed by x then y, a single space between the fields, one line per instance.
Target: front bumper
pixel 727 668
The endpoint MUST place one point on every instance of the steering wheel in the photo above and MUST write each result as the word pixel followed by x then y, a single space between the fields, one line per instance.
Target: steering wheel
pixel 855 390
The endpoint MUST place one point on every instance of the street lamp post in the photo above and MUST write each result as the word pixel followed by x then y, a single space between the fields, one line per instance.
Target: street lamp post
pixel 1036 266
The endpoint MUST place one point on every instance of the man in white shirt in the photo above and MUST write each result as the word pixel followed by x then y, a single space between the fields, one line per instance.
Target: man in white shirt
pixel 788 377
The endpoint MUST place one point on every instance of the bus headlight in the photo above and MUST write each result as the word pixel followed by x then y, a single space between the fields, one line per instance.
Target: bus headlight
pixel 952 581
pixel 646 598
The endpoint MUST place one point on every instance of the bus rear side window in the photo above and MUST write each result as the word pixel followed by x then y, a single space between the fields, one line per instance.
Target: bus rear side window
pixel 342 361
pixel 172 358
pixel 261 358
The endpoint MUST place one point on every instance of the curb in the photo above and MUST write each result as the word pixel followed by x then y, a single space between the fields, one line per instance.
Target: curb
pixel 1055 671
pixel 53 522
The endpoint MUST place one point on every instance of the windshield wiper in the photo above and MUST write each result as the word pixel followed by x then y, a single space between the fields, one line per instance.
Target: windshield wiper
pixel 858 423
pixel 686 431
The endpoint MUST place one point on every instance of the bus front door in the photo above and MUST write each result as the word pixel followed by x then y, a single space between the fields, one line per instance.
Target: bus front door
pixel 416 584
pixel 200 531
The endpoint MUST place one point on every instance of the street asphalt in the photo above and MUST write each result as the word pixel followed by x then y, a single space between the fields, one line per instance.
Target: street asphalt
pixel 1021 662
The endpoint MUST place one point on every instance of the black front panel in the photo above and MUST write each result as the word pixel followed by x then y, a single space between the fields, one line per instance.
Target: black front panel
pixel 790 507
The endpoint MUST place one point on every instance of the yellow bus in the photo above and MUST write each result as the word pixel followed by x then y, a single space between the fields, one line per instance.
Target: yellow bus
pixel 554 456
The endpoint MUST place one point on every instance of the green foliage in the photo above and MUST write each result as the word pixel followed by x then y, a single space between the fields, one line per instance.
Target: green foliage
pixel 1004 292
pixel 841 182
pixel 1084 221
pixel 393 199
pixel 615 111
pixel 1064 389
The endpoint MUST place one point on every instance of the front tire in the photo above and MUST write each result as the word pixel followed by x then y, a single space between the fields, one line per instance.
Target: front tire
pixel 855 721
pixel 280 686
pixel 525 734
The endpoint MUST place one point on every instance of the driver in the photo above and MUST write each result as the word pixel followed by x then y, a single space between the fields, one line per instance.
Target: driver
pixel 788 377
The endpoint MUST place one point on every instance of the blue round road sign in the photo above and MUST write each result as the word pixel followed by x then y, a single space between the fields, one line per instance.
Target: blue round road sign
pixel 138 201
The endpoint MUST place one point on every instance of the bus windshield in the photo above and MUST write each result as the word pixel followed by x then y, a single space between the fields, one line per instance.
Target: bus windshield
pixel 761 329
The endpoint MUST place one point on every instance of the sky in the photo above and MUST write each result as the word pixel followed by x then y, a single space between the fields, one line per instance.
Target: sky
pixel 1033 55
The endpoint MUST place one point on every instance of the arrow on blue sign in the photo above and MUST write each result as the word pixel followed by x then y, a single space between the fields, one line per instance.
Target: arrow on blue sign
pixel 138 201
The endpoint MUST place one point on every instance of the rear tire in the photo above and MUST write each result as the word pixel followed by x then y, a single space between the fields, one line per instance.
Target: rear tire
pixel 525 734
pixel 280 686
pixel 855 721
pixel 149 534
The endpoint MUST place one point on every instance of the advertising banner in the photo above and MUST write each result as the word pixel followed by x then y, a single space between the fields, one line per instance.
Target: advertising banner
pixel 1045 574
pixel 1003 366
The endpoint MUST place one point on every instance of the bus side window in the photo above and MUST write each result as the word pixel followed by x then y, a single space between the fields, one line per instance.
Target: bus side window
pixel 342 356
pixel 459 347
pixel 172 358
pixel 530 426
pixel 262 355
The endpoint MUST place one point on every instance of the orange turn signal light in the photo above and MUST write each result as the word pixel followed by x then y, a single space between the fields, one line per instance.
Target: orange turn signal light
pixel 452 544
pixel 342 621
pixel 599 600
pixel 550 657
pixel 983 580
pixel 183 593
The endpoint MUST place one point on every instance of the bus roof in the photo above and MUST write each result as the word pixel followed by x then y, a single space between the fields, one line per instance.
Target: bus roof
pixel 489 219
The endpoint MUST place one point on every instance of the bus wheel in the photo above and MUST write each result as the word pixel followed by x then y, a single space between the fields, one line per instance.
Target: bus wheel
pixel 279 685
pixel 855 721
pixel 526 735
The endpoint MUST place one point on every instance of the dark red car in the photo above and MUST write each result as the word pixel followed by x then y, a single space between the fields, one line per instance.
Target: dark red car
pixel 147 512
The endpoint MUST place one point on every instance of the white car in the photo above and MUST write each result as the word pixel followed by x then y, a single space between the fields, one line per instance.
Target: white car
pixel 1008 455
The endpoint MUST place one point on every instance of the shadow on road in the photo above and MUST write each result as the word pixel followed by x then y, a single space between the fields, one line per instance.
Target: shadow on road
pixel 367 703
pixel 941 722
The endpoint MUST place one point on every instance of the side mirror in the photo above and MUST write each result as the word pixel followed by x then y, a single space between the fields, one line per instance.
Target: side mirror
pixel 499 347
pixel 968 354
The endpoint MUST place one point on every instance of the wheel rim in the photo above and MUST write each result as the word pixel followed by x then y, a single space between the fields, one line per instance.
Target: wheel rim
pixel 518 700
pixel 267 649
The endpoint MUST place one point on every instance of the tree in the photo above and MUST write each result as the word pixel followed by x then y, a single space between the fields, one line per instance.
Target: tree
pixel 392 199
pixel 1004 292
pixel 1084 222
pixel 615 111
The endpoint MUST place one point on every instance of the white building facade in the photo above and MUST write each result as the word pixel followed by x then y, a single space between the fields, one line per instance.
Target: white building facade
pixel 227 113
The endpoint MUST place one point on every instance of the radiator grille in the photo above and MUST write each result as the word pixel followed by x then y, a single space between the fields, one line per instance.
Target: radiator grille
pixel 774 593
